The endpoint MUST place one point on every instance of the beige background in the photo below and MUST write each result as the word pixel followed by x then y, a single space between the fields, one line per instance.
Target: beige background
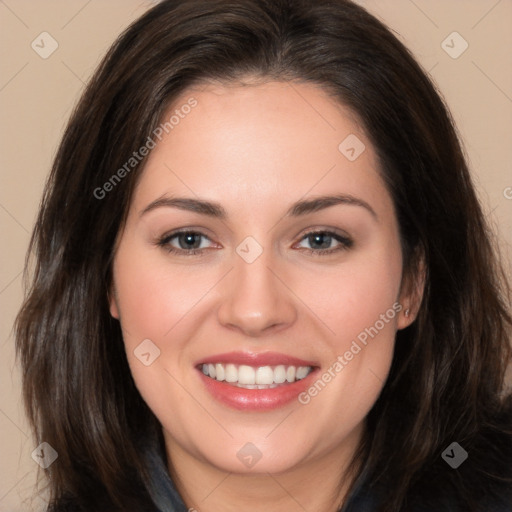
pixel 36 97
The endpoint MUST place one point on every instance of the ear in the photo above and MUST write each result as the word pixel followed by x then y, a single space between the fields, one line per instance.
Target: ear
pixel 112 301
pixel 411 294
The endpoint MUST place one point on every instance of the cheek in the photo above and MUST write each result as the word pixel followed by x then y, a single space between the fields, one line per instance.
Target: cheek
pixel 352 297
pixel 154 305
pixel 163 304
pixel 358 303
pixel 153 299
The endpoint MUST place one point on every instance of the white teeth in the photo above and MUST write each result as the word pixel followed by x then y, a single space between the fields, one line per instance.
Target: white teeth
pixel 256 386
pixel 279 374
pixel 264 375
pixel 219 370
pixel 231 373
pixel 302 372
pixel 290 374
pixel 250 377
pixel 246 375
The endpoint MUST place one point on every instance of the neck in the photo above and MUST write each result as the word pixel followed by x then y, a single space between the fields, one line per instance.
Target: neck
pixel 320 483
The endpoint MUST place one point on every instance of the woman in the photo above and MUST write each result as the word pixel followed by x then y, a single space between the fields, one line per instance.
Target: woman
pixel 263 279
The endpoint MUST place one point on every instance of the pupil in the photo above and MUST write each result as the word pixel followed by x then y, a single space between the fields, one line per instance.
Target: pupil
pixel 318 238
pixel 189 239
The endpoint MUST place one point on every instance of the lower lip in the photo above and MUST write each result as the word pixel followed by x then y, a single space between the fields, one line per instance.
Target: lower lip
pixel 256 399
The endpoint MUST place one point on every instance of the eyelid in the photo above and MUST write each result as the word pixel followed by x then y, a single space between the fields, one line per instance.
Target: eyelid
pixel 323 229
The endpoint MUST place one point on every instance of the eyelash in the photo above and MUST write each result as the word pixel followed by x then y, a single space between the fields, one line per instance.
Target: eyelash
pixel 344 243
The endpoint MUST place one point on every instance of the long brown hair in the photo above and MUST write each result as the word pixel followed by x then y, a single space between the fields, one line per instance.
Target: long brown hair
pixel 446 380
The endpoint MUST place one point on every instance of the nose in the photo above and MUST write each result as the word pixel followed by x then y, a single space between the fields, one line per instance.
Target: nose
pixel 255 299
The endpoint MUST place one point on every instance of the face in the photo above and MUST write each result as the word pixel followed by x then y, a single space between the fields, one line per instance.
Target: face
pixel 257 278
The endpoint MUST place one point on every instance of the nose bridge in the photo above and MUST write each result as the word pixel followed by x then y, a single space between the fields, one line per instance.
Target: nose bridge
pixel 255 299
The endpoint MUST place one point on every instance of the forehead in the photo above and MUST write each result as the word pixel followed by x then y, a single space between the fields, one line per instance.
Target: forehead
pixel 262 143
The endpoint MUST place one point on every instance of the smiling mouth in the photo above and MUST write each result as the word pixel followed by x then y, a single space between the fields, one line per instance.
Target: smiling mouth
pixel 255 377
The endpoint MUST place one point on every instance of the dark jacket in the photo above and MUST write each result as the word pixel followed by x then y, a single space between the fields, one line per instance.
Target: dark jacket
pixel 167 498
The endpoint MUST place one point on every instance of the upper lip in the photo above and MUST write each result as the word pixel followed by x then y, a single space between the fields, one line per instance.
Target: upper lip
pixel 255 359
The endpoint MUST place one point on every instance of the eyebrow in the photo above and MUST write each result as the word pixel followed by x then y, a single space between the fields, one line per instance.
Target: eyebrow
pixel 300 208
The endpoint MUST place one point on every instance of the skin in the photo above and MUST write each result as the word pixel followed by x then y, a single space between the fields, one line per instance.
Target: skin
pixel 256 149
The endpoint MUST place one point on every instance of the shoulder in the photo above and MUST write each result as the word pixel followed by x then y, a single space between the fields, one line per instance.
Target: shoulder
pixel 481 483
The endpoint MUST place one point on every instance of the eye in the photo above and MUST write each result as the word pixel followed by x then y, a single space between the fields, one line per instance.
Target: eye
pixel 321 242
pixel 184 242
pixel 189 243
